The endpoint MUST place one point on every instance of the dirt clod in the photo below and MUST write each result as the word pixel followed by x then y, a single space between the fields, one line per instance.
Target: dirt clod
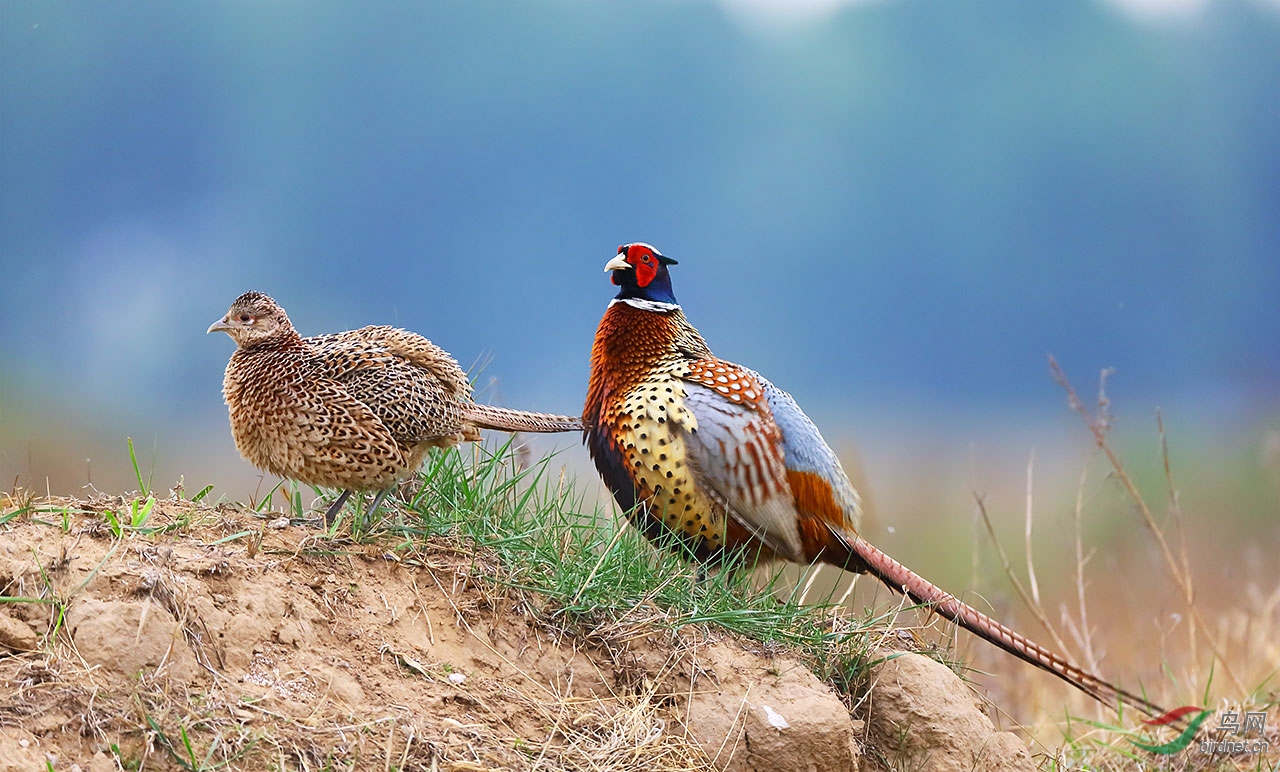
pixel 922 716
pixel 749 713
pixel 16 634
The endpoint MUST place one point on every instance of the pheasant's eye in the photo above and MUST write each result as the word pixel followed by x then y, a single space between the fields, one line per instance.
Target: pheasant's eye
pixel 646 258
pixel 246 318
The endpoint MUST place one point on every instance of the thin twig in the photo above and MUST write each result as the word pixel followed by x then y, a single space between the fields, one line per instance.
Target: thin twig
pixel 1031 570
pixel 1085 636
pixel 812 571
pixel 1098 426
pixel 1175 508
pixel 1032 605
pixel 603 556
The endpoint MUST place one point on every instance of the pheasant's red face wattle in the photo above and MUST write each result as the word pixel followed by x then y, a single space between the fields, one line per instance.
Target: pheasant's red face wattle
pixel 643 262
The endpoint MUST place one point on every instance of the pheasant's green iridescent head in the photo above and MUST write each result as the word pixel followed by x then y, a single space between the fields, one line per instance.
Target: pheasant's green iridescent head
pixel 641 272
pixel 253 318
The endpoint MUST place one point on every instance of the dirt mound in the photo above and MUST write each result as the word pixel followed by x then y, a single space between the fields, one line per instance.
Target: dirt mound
pixel 215 638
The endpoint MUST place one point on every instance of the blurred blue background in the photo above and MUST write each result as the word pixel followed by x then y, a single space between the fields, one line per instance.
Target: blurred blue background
pixel 894 209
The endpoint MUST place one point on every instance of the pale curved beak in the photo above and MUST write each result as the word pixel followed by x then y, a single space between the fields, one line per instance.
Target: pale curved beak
pixel 219 326
pixel 618 263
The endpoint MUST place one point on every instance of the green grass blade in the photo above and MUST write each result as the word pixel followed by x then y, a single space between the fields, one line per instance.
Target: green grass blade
pixel 137 473
pixel 15 513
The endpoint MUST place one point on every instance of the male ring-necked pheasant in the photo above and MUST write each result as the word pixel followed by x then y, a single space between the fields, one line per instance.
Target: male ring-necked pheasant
pixel 355 410
pixel 716 454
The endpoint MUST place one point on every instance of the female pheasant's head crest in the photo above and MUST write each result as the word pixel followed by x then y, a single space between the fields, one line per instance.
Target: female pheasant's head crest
pixel 641 272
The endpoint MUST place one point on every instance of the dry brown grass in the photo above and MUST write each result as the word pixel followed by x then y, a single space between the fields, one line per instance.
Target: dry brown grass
pixel 1226 660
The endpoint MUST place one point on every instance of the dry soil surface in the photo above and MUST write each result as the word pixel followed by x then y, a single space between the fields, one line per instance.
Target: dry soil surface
pixel 234 641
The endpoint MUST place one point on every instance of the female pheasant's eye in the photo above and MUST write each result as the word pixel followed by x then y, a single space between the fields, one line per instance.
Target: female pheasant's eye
pixel 245 318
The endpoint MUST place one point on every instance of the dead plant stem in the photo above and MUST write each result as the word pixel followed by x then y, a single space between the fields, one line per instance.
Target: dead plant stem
pixel 1098 426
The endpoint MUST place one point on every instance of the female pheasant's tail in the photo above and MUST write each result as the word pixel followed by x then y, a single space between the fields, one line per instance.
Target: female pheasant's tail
pixel 866 557
pixel 507 420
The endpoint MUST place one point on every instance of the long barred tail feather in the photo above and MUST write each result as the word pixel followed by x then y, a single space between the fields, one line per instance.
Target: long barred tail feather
pixel 899 578
pixel 507 420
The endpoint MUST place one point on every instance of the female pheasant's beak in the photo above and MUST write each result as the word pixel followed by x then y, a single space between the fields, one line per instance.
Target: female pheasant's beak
pixel 219 326
pixel 618 263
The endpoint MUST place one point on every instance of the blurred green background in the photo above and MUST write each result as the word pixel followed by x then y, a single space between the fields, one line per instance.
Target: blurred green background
pixel 893 209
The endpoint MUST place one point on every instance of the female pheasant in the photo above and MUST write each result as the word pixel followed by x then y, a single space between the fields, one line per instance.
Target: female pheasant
pixel 355 410
pixel 715 454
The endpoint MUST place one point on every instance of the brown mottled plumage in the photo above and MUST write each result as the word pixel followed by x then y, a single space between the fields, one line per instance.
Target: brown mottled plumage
pixel 355 410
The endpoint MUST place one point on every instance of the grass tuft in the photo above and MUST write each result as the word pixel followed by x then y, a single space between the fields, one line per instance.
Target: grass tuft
pixel 532 537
